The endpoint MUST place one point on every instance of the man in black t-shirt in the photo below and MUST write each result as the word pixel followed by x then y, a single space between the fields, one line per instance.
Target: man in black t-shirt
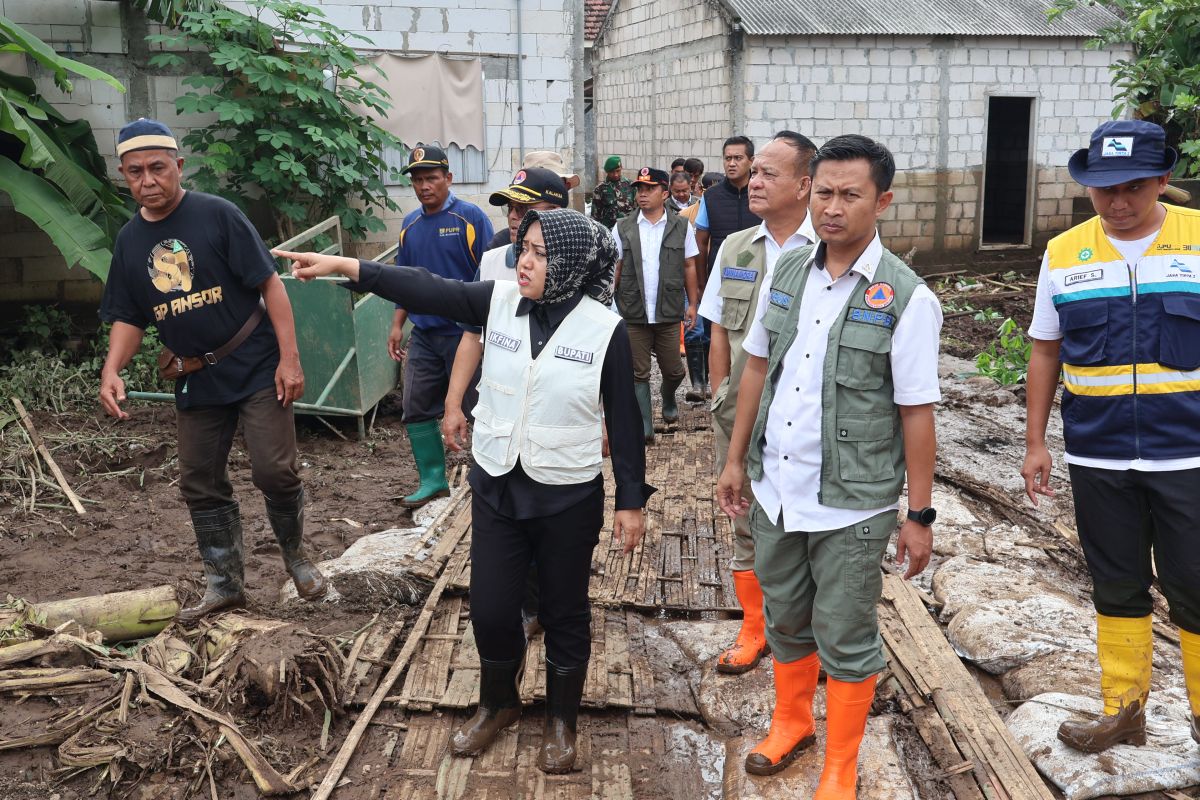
pixel 193 266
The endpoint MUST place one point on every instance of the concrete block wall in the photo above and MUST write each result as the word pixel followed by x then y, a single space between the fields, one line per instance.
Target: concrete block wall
pixel 485 28
pixel 95 32
pixel 662 83
pixel 926 99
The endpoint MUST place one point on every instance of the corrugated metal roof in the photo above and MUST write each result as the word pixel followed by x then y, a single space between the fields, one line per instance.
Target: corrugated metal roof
pixel 917 18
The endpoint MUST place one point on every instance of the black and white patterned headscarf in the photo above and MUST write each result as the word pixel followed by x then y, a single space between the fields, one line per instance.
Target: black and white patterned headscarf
pixel 580 255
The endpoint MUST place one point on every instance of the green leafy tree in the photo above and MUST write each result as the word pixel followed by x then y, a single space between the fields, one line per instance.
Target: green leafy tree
pixel 285 89
pixel 50 166
pixel 1160 81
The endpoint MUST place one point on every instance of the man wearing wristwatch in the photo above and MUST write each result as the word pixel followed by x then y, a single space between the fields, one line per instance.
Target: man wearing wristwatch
pixel 835 408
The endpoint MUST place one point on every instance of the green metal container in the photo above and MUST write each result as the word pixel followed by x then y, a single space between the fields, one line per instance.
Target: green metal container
pixel 343 347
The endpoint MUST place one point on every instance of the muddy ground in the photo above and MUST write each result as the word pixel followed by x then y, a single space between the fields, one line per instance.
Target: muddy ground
pixel 136 534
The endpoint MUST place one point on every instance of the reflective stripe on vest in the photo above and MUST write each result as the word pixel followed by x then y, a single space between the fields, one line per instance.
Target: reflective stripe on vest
pixel 1131 341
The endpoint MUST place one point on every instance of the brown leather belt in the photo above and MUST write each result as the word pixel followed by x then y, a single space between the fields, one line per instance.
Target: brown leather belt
pixel 172 367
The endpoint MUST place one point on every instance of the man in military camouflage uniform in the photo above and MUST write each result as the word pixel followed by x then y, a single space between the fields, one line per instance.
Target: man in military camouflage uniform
pixel 612 199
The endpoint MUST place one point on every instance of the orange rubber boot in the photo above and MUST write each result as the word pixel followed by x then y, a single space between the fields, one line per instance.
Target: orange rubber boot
pixel 846 709
pixel 792 726
pixel 751 643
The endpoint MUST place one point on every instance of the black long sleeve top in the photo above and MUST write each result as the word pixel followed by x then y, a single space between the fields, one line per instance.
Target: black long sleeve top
pixel 515 494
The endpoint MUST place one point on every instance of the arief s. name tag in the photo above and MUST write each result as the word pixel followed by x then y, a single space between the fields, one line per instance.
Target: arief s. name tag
pixel 1083 277
pixel 504 342
pixel 571 354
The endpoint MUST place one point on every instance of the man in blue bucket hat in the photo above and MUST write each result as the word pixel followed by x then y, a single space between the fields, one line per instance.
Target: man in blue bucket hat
pixel 1118 312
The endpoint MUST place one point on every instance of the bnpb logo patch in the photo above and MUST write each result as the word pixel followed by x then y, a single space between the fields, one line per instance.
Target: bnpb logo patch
pixel 880 295
pixel 644 171
pixel 519 178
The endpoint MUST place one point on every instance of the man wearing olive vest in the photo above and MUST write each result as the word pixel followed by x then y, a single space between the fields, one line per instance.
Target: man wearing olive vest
pixel 1118 311
pixel 835 406
pixel 779 185
pixel 656 263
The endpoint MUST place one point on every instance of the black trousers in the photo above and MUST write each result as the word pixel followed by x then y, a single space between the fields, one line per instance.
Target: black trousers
pixel 502 550
pixel 1123 516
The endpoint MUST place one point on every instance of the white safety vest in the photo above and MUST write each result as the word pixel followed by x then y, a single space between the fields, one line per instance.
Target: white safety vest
pixel 494 265
pixel 546 411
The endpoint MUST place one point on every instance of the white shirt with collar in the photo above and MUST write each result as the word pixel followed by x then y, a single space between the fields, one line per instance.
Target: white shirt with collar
pixel 712 305
pixel 792 454
pixel 650 235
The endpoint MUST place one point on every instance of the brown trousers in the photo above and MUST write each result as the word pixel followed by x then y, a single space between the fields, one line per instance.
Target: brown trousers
pixel 663 339
pixel 206 435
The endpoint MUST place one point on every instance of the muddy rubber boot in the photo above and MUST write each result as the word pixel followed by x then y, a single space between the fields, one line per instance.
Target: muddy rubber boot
pixel 695 368
pixel 846 708
pixel 564 691
pixel 219 537
pixel 430 456
pixel 1127 726
pixel 287 520
pixel 792 727
pixel 751 643
pixel 670 409
pixel 642 392
pixel 1124 647
pixel 1189 643
pixel 499 706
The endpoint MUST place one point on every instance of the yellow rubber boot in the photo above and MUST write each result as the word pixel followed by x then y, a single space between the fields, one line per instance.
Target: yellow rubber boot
pixel 1190 644
pixel 1125 648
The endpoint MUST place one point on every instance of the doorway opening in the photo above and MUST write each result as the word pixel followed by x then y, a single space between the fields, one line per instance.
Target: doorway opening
pixel 1006 172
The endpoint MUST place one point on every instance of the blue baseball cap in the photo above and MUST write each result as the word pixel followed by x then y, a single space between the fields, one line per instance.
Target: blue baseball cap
pixel 145 134
pixel 1121 151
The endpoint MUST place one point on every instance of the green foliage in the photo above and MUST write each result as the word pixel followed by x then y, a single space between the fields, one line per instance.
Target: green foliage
pixel 285 90
pixel 1161 81
pixel 50 166
pixel 986 315
pixel 1006 360
pixel 48 367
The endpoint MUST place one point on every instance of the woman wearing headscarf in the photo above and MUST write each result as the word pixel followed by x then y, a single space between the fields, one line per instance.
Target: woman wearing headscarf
pixel 556 362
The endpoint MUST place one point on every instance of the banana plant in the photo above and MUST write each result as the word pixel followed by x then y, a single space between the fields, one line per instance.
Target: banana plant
pixel 50 167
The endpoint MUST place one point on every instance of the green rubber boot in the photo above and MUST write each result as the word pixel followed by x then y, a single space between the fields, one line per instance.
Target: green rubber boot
pixel 642 391
pixel 670 409
pixel 426 441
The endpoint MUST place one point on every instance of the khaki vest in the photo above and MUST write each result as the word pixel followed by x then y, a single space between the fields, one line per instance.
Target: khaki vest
pixel 631 299
pixel 545 411
pixel 741 279
pixel 862 446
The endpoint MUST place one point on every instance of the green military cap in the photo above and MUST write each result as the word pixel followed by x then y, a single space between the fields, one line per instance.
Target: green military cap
pixel 611 163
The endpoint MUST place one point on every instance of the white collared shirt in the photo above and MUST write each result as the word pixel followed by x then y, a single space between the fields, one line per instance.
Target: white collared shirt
pixel 650 235
pixel 792 454
pixel 712 305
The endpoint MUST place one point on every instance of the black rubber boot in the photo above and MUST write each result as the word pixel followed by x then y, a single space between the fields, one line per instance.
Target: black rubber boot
pixel 564 691
pixel 219 537
pixel 696 372
pixel 707 387
pixel 287 520
pixel 499 706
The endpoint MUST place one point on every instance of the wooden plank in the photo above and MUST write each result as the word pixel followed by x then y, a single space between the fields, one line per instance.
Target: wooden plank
pixel 344 754
pixel 920 652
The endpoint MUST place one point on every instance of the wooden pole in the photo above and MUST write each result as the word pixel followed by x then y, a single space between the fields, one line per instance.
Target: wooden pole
pixel 40 446
pixel 364 719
